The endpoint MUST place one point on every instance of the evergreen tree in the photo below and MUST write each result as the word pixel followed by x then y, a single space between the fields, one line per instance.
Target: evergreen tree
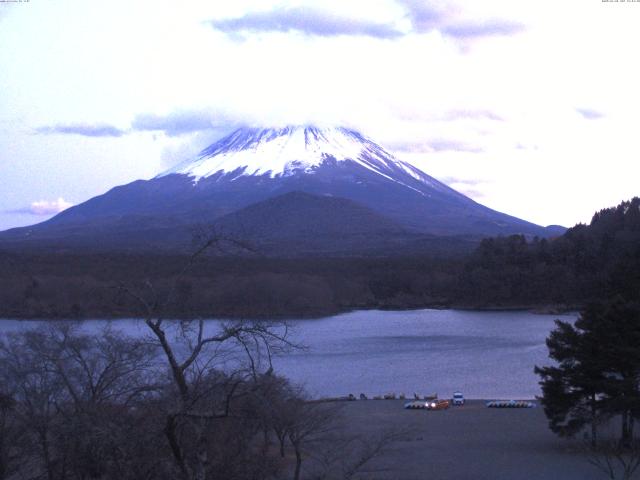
pixel 572 389
pixel 616 326
pixel 597 375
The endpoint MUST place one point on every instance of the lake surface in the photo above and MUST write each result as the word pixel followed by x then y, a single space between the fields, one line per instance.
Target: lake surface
pixel 482 354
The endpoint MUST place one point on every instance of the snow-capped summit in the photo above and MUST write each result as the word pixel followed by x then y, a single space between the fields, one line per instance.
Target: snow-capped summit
pixel 282 152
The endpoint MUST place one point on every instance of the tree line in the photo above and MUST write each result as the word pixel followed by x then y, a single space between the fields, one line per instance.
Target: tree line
pixel 588 262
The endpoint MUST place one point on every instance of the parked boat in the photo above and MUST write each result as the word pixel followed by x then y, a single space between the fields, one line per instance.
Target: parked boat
pixel 510 404
pixel 416 405
pixel 427 405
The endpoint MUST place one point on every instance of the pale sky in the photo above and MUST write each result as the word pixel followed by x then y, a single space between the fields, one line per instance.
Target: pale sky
pixel 529 107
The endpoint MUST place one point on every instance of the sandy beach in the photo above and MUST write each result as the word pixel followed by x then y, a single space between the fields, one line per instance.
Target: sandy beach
pixel 468 442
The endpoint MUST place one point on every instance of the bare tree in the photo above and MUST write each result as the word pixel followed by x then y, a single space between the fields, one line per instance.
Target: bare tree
pixel 346 455
pixel 316 433
pixel 37 391
pixel 309 424
pixel 613 458
pixel 72 390
pixel 10 438
pixel 195 353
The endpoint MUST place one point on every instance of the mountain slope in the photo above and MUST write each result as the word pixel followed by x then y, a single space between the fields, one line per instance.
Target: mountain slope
pixel 298 223
pixel 253 165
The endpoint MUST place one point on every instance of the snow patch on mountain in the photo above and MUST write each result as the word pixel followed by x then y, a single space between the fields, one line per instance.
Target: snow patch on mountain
pixel 292 150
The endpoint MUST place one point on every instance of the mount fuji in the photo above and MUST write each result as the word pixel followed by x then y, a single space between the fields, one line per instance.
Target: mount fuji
pixel 332 190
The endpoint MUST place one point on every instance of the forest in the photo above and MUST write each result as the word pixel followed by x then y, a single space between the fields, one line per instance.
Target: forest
pixel 588 262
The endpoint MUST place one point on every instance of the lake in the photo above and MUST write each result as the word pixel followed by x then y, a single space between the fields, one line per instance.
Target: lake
pixel 482 354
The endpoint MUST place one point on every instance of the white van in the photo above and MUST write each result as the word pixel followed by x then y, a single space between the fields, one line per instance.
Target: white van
pixel 458 398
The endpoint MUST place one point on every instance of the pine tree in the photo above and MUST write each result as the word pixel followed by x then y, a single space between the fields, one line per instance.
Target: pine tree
pixel 572 390
pixel 597 375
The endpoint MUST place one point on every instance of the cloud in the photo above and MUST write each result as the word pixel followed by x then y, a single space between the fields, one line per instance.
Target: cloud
pixel 45 207
pixel 473 115
pixel 175 123
pixel 426 17
pixel 461 181
pixel 473 193
pixel 86 130
pixel 490 28
pixel 443 145
pixel 437 145
pixel 471 187
pixel 423 16
pixel 589 114
pixel 308 21
pixel 190 147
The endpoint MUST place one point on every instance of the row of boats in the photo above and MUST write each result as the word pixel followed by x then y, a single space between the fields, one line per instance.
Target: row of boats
pixel 389 396
pixel 444 404
pixel 427 405
pixel 510 404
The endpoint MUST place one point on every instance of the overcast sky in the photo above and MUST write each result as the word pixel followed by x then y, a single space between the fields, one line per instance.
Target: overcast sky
pixel 527 106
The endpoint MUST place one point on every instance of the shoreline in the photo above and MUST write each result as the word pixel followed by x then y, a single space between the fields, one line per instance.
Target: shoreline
pixel 346 399
pixel 533 309
pixel 467 399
